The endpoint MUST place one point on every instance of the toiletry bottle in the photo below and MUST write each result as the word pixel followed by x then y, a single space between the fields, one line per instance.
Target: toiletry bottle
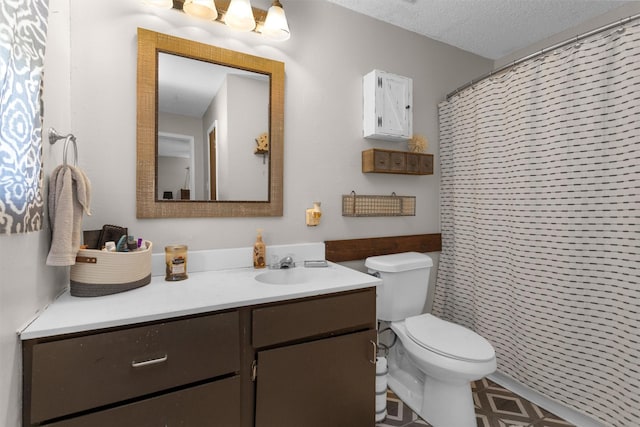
pixel 259 252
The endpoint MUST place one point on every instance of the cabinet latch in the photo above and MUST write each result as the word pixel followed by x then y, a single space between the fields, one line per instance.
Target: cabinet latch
pixel 254 370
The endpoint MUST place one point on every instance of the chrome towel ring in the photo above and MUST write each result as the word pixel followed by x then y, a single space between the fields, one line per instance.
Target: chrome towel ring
pixel 54 136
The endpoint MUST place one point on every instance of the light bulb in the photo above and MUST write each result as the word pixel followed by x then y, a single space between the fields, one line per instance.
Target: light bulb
pixel 204 9
pixel 239 16
pixel 276 26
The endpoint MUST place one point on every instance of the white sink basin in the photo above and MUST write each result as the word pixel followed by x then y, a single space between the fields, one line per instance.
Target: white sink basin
pixel 294 276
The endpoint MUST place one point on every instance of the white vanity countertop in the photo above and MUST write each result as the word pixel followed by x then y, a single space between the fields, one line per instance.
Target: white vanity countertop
pixel 202 292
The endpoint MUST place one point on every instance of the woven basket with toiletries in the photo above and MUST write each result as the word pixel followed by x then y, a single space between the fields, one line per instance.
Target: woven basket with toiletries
pixel 97 273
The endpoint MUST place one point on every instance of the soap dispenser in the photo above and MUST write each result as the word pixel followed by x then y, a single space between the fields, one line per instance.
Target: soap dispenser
pixel 259 252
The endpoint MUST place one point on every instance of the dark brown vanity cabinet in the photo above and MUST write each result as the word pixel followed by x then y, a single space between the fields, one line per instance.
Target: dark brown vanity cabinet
pixel 301 362
pixel 316 362
pixel 164 373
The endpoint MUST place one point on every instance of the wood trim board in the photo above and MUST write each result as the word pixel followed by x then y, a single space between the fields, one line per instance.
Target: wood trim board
pixel 358 249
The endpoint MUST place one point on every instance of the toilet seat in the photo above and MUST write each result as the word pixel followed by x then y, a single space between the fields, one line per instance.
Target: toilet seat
pixel 448 339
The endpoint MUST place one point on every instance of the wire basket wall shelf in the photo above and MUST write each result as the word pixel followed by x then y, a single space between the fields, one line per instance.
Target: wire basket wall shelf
pixel 376 205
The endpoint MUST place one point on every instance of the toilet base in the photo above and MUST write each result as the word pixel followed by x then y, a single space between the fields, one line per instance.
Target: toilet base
pixel 448 404
pixel 440 403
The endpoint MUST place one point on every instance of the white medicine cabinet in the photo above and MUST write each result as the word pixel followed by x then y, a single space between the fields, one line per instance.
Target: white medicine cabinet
pixel 387 106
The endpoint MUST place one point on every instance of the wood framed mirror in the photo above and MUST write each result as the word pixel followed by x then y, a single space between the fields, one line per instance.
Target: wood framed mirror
pixel 252 188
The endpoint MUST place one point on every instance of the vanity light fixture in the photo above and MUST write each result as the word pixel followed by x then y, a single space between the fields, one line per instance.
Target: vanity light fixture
pixel 239 16
pixel 276 26
pixel 205 9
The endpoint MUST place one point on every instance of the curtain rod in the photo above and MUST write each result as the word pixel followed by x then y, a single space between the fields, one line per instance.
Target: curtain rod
pixel 543 51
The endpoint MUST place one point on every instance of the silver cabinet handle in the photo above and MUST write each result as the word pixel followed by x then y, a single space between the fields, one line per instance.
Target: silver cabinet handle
pixel 162 359
pixel 375 352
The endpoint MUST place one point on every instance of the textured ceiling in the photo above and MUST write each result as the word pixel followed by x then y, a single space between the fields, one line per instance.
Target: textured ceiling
pixel 489 28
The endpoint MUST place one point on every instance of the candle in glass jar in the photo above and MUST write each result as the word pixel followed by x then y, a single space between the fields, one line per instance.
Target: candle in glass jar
pixel 176 262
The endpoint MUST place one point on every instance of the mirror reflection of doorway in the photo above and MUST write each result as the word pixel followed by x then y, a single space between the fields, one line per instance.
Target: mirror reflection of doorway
pixel 175 158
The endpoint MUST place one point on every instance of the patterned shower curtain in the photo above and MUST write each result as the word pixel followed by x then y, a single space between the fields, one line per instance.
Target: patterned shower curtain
pixel 23 27
pixel 540 210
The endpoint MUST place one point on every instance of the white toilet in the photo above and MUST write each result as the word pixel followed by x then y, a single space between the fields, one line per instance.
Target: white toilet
pixel 433 361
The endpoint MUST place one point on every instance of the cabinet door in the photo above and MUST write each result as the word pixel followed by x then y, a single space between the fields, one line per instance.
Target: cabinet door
pixel 329 382
pixel 393 102
pixel 387 106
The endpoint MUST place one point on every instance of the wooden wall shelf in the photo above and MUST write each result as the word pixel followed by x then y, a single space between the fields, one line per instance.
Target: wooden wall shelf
pixel 376 160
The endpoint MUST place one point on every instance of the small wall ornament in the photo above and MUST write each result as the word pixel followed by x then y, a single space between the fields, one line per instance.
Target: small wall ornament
pixel 418 144
pixel 262 142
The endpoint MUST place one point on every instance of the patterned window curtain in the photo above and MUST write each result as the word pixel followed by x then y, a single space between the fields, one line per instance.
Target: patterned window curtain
pixel 540 209
pixel 23 27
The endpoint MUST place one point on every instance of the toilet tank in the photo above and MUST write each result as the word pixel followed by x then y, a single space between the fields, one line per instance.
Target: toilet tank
pixel 405 282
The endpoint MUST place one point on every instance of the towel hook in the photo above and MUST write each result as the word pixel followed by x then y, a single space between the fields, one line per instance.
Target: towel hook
pixel 54 136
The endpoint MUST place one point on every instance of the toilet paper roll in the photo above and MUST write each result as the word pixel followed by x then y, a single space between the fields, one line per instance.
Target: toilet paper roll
pixel 381 375
pixel 381 416
pixel 381 401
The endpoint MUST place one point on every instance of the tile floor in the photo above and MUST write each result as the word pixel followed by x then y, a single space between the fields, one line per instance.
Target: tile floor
pixel 495 407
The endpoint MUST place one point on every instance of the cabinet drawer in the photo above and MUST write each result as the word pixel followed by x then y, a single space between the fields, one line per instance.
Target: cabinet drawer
pixel 413 163
pixel 398 162
pixel 81 373
pixel 313 318
pixel 382 160
pixel 425 165
pixel 213 404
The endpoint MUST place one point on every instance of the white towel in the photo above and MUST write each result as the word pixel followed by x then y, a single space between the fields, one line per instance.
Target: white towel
pixel 69 199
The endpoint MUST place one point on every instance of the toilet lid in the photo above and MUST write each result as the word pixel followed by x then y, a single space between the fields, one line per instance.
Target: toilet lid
pixel 448 339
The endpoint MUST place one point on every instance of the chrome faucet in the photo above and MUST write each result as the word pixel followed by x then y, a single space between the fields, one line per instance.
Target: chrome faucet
pixel 286 262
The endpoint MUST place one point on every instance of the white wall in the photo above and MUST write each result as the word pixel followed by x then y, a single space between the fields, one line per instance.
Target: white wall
pixel 90 90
